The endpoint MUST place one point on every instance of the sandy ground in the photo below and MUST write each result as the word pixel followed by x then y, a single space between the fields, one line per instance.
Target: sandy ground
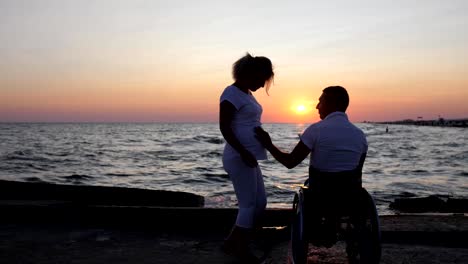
pixel 27 243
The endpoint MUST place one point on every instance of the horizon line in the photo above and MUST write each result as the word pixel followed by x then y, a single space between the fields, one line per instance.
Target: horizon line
pixel 193 122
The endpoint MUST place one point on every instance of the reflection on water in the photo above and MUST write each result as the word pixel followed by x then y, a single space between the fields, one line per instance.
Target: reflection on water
pixel 406 161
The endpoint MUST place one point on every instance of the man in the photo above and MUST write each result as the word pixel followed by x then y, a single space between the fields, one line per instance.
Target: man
pixel 337 152
pixel 335 144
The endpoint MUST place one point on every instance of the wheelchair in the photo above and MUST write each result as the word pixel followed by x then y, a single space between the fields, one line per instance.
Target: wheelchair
pixel 333 207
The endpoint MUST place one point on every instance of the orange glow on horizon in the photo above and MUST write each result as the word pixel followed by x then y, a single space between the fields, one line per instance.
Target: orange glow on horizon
pixel 161 63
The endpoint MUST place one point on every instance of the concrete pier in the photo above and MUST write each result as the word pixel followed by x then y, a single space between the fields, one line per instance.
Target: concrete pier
pixel 53 230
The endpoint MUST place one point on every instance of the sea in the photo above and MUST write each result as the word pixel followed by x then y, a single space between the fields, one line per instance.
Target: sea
pixel 406 161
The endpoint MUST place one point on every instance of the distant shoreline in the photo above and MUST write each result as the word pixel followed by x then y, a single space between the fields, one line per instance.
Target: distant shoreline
pixel 441 122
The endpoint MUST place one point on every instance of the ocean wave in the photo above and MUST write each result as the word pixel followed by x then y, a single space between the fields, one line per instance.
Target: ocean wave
pixel 419 171
pixel 57 154
pixel 113 174
pixel 212 154
pixel 33 179
pixel 26 155
pixel 408 147
pixel 132 140
pixel 41 167
pixel 181 142
pixel 216 175
pixel 207 139
pixel 276 191
pixel 78 177
pixel 196 181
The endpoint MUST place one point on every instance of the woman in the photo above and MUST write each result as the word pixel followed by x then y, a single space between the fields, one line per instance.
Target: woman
pixel 239 114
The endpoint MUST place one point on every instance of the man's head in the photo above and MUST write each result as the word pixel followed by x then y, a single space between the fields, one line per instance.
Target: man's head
pixel 333 98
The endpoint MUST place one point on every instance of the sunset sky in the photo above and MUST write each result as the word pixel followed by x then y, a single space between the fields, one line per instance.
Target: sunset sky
pixel 168 61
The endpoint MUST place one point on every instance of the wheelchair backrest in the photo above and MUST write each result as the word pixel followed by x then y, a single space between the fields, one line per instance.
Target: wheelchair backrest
pixel 333 193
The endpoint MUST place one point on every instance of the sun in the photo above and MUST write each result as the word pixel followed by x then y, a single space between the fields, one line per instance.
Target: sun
pixel 300 109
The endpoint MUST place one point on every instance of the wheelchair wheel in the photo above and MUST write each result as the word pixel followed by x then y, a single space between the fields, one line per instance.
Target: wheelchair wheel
pixel 299 243
pixel 364 243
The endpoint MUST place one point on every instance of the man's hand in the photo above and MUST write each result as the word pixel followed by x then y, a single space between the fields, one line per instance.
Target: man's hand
pixel 263 137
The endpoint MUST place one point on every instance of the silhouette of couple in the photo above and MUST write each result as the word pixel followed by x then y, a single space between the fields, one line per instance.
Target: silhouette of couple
pixel 334 144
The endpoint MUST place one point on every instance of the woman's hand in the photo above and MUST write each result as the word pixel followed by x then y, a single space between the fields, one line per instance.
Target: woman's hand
pixel 263 137
pixel 249 159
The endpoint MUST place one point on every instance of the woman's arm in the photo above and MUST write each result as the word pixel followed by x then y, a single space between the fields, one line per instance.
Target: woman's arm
pixel 289 160
pixel 226 115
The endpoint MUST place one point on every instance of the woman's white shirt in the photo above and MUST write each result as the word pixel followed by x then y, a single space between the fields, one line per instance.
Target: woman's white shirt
pixel 247 117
